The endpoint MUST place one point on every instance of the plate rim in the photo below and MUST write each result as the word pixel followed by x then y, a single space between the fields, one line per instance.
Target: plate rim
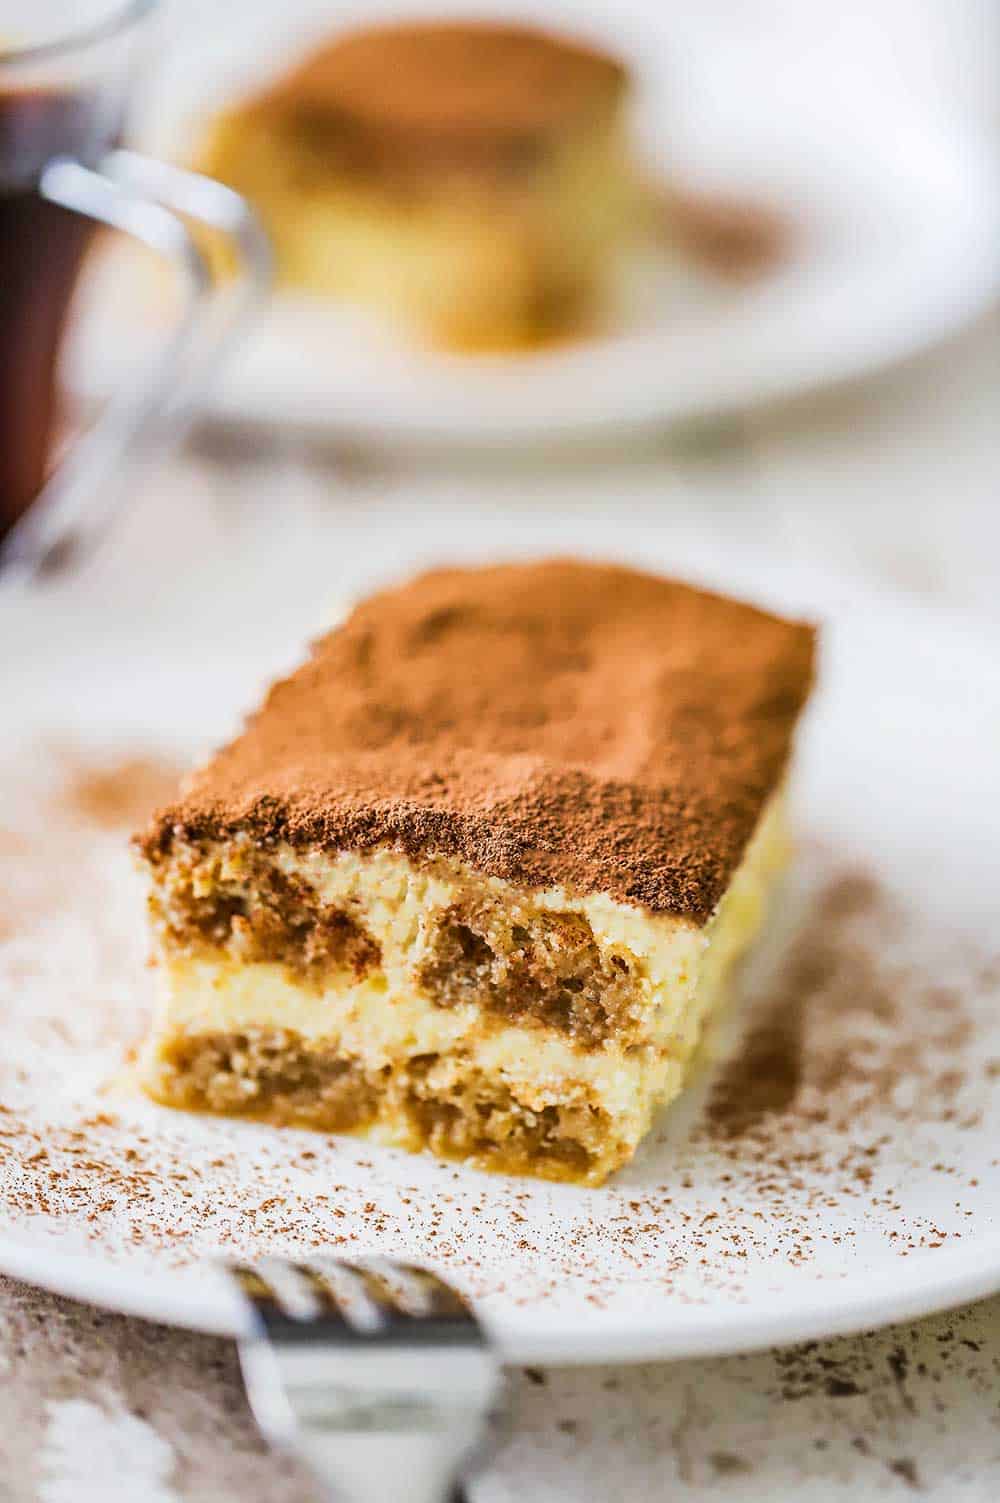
pixel 605 1337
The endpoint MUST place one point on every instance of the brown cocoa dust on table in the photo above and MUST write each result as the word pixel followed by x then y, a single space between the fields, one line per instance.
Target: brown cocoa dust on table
pixel 117 794
pixel 866 1054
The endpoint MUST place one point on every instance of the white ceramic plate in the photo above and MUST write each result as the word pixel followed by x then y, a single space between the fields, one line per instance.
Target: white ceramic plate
pixel 895 208
pixel 861 1190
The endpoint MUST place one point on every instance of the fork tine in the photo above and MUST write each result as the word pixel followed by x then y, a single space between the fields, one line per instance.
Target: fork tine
pixel 342 1291
pixel 251 1284
pixel 277 1292
pixel 296 1295
pixel 441 1298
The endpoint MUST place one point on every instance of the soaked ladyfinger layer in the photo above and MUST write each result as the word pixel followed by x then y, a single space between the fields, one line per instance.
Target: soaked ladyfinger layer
pixel 429 1006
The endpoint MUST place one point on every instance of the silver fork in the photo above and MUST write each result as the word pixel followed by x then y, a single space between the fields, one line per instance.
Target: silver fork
pixel 376 1374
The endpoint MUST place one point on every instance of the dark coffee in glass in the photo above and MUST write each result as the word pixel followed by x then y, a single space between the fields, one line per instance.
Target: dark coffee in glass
pixel 67 69
pixel 41 249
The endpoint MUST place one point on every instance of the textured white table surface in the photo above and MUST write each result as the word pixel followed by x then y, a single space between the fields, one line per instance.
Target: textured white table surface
pixel 891 487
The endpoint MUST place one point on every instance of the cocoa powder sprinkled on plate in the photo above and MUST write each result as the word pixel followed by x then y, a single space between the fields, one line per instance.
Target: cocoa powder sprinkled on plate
pixel 856 1060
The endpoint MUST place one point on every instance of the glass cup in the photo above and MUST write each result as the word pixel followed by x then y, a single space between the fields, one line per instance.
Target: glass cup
pixel 67 72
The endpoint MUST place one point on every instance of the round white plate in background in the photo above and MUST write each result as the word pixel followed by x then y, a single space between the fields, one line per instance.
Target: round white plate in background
pixel 893 203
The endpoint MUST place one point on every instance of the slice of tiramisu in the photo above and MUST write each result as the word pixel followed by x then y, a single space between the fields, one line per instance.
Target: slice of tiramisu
pixel 474 875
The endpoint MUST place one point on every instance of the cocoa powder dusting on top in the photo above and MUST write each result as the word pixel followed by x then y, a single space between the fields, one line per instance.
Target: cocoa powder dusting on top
pixel 409 87
pixel 550 723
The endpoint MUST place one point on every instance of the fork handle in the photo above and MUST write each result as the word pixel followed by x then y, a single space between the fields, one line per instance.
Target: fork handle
pixel 387 1395
pixel 365 1470
pixel 387 1425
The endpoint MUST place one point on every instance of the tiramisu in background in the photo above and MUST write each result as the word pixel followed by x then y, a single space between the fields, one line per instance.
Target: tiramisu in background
pixel 469 181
